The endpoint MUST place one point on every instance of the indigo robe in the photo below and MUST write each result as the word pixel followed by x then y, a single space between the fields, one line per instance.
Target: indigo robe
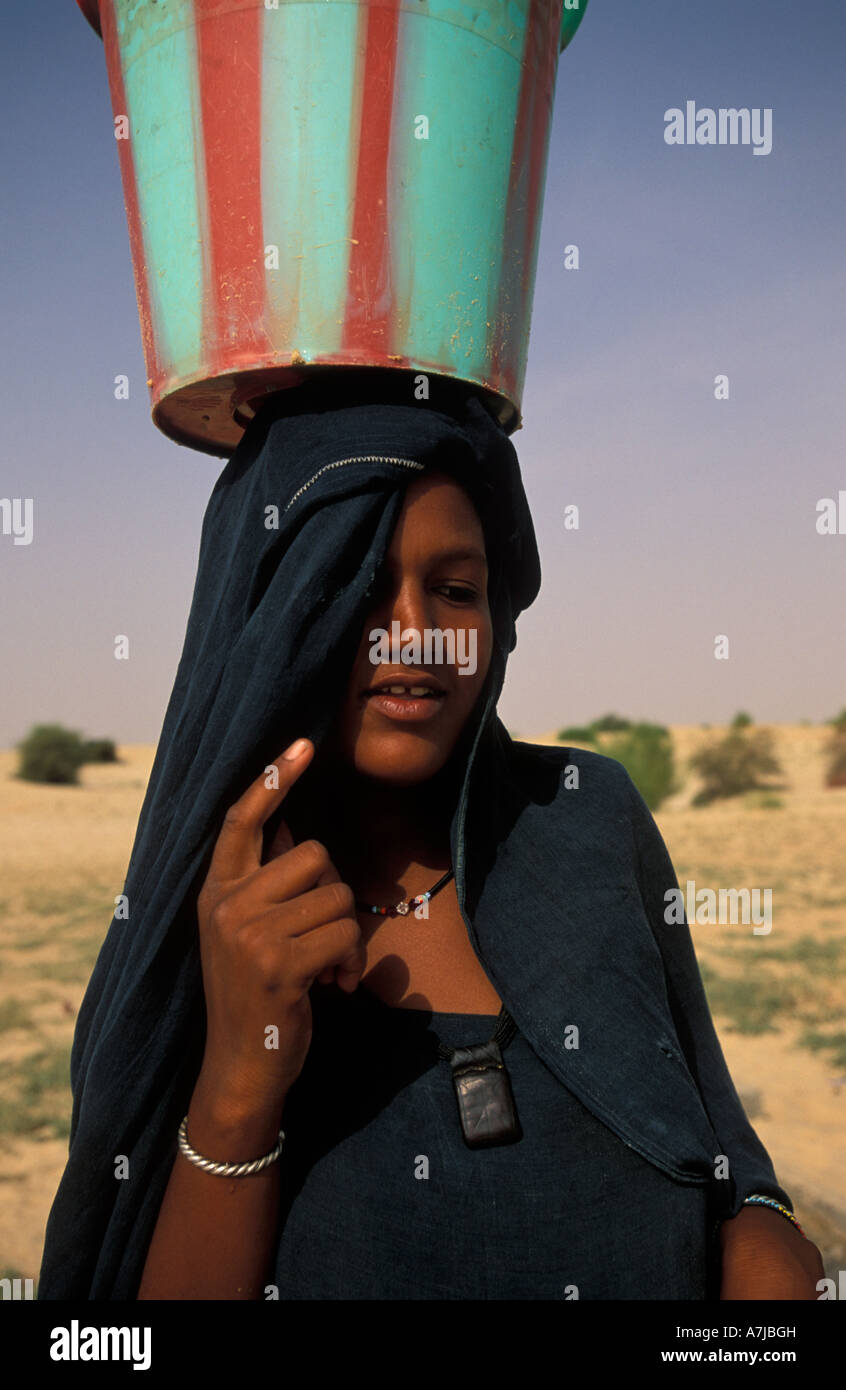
pixel 562 888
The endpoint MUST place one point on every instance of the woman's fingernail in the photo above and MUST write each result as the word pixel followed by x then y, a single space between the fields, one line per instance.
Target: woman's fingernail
pixel 296 750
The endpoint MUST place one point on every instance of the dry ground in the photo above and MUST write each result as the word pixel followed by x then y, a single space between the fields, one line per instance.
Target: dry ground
pixel 778 1000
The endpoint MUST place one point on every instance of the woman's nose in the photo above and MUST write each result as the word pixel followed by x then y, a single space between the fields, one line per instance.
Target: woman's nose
pixel 410 606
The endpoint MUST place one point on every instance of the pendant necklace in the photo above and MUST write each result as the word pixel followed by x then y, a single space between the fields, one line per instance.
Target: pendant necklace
pixel 481 1082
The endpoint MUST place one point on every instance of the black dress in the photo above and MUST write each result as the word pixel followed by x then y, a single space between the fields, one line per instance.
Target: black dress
pixel 382 1198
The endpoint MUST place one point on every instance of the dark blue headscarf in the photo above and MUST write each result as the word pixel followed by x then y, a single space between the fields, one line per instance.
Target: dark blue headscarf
pixel 563 890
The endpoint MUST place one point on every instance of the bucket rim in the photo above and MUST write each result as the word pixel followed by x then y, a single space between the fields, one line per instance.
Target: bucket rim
pixel 570 19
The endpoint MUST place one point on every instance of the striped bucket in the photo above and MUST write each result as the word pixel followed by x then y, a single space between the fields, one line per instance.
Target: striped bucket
pixel 316 184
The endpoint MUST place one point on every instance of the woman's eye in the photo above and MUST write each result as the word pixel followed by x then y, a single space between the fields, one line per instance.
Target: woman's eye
pixel 458 593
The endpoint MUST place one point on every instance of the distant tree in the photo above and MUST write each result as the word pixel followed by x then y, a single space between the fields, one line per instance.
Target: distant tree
pixel 578 733
pixel 835 772
pixel 838 723
pixel 739 763
pixel 611 724
pixel 646 752
pixel 742 720
pixel 50 753
pixel 99 750
pixel 835 775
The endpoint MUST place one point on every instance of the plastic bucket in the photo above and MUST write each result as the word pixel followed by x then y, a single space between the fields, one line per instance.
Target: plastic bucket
pixel 327 184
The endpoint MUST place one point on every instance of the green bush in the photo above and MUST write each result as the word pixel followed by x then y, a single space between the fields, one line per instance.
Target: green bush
pixel 763 801
pixel 835 773
pixel 738 763
pixel 646 752
pixel 50 753
pixel 611 724
pixel 838 723
pixel 579 733
pixel 742 720
pixel 99 750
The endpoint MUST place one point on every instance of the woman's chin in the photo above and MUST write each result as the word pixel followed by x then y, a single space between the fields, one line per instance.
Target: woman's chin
pixel 398 760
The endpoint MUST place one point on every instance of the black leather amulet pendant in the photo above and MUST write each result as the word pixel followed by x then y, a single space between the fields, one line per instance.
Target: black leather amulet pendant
pixel 485 1099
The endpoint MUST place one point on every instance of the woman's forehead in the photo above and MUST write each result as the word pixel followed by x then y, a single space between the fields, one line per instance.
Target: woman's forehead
pixel 440 492
pixel 437 507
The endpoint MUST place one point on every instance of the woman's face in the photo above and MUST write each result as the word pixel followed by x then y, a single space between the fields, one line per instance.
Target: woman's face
pixel 429 632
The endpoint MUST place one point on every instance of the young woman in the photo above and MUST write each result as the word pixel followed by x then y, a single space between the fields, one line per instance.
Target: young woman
pixel 447 1030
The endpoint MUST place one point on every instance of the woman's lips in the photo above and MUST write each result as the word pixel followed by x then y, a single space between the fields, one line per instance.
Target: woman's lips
pixel 406 707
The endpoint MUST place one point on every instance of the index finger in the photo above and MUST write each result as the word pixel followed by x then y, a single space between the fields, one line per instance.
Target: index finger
pixel 239 845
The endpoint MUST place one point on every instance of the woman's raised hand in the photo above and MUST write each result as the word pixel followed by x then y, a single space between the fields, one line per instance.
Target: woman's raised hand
pixel 267 932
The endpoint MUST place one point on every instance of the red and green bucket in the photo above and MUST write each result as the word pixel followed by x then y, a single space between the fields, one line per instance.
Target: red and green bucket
pixel 316 184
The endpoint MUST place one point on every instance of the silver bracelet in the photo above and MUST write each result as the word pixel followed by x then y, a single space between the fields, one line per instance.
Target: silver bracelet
pixel 226 1170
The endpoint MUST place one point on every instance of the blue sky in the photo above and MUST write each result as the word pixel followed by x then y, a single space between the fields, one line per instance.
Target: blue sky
pixel 697 516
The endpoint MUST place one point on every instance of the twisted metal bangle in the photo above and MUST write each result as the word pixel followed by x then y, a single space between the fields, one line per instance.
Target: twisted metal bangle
pixel 758 1200
pixel 226 1170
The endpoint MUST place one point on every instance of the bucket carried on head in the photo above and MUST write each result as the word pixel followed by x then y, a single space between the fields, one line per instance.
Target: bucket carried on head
pixel 330 183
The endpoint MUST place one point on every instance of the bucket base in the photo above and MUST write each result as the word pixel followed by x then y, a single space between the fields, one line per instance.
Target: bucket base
pixel 212 415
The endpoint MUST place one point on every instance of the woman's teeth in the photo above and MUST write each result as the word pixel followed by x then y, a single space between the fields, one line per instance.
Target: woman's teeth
pixel 405 690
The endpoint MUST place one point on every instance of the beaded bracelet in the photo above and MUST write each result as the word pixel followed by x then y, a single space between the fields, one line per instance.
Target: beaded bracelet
pixel 757 1200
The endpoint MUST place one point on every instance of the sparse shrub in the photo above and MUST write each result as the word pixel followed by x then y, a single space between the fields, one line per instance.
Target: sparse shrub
pixel 50 753
pixel 99 750
pixel 646 752
pixel 752 1005
pixel 835 773
pixel 579 733
pixel 742 720
pixel 764 801
pixel 838 723
pixel 830 1042
pixel 738 763
pixel 611 724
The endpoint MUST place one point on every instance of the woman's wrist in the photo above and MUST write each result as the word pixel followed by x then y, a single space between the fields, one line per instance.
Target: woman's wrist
pixel 764 1257
pixel 752 1219
pixel 226 1128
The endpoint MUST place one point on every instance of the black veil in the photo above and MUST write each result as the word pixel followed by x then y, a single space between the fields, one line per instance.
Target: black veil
pixel 294 533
